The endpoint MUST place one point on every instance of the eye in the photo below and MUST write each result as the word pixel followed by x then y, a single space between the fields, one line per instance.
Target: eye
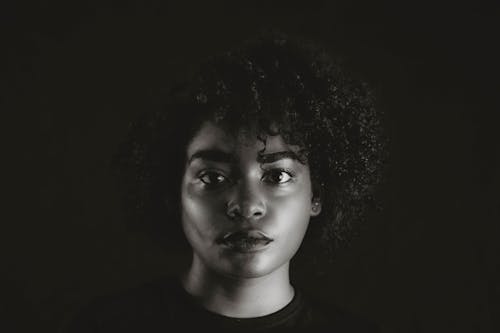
pixel 278 176
pixel 212 178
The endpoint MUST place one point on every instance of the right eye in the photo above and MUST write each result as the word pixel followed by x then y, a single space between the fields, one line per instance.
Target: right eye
pixel 212 178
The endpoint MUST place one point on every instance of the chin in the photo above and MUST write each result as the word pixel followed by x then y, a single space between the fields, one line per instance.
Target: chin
pixel 247 268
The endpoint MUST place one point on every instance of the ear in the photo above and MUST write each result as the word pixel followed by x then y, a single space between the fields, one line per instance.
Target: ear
pixel 315 207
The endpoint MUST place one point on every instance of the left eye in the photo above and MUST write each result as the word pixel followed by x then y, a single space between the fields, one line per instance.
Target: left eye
pixel 278 176
pixel 213 178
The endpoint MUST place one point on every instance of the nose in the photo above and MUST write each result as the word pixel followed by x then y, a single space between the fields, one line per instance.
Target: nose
pixel 247 203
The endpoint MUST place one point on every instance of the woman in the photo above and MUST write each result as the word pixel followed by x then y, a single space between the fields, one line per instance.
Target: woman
pixel 265 147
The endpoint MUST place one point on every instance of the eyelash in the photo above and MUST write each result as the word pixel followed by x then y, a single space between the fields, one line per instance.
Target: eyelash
pixel 210 172
pixel 289 172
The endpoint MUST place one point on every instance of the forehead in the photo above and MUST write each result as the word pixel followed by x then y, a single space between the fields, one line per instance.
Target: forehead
pixel 213 137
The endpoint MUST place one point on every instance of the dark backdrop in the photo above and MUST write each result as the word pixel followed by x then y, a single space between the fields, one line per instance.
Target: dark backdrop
pixel 76 73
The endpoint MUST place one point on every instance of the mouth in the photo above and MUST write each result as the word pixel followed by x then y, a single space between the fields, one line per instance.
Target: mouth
pixel 245 240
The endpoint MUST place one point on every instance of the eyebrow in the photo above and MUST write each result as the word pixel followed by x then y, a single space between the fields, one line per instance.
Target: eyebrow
pixel 213 155
pixel 220 156
pixel 273 157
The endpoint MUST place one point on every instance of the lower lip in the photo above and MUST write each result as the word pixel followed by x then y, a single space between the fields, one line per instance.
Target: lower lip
pixel 244 246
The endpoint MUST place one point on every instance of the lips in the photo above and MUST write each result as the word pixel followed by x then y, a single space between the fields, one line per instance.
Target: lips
pixel 245 240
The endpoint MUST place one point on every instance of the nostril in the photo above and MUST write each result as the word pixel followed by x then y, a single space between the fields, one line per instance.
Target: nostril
pixel 253 213
pixel 244 211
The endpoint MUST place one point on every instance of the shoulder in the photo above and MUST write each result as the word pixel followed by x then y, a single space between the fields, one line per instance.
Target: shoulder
pixel 124 310
pixel 338 319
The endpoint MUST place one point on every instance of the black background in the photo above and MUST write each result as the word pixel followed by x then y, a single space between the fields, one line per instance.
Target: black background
pixel 76 73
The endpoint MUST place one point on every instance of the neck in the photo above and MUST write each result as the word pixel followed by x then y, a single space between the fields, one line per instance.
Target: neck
pixel 238 297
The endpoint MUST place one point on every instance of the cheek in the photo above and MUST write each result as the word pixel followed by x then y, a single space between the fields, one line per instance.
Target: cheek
pixel 290 220
pixel 293 212
pixel 199 213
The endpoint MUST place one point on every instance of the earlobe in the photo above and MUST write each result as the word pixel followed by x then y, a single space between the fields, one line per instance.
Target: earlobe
pixel 315 207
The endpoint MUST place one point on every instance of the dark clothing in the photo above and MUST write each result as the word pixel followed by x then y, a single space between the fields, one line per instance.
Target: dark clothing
pixel 164 306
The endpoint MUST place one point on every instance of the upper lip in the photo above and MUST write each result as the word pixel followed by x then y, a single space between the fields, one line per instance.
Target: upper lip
pixel 244 234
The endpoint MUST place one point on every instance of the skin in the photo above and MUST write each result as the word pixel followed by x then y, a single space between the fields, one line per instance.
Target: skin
pixel 235 189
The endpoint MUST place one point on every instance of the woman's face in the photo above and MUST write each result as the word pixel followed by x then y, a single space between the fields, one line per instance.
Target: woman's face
pixel 245 209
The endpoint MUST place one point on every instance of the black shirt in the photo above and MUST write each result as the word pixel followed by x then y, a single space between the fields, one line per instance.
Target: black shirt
pixel 164 306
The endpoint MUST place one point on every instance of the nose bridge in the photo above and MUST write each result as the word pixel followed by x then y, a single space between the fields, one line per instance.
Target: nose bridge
pixel 248 200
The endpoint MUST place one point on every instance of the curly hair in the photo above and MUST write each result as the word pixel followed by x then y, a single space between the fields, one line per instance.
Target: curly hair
pixel 275 86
